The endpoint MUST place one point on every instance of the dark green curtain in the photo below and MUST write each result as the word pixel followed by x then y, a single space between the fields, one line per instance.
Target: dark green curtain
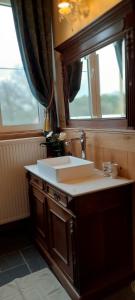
pixel 74 75
pixel 33 27
pixel 118 51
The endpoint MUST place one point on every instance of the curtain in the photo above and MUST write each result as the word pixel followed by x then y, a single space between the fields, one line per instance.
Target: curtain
pixel 33 27
pixel 118 51
pixel 74 75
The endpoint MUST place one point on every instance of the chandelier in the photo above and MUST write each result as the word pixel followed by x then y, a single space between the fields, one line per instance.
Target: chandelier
pixel 72 9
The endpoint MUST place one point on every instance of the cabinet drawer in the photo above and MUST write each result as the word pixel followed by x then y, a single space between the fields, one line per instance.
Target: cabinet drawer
pixel 34 180
pixel 57 195
pixel 37 194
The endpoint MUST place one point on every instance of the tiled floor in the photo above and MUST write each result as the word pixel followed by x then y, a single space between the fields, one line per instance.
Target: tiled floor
pixel 18 257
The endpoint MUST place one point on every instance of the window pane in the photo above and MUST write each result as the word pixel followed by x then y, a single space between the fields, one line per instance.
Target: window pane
pixel 9 50
pixel 18 106
pixel 112 80
pixel 102 91
pixel 80 107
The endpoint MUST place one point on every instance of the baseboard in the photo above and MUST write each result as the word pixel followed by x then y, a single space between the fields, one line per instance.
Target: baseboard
pixel 17 226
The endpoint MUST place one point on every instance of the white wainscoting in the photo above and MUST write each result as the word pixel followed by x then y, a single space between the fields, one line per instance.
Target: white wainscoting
pixel 14 155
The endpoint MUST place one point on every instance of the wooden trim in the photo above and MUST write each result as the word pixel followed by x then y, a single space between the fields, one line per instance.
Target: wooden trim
pixel 95 84
pixel 20 134
pixel 101 130
pixel 130 82
pixel 23 224
pixel 98 123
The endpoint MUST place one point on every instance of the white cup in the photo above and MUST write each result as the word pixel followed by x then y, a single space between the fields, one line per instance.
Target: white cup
pixel 114 172
pixel 107 168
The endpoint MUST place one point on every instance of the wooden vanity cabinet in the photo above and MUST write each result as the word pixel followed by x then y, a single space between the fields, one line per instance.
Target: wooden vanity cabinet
pixel 87 240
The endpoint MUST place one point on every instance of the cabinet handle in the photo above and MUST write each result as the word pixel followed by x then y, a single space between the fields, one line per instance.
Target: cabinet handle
pixel 71 226
pixel 56 196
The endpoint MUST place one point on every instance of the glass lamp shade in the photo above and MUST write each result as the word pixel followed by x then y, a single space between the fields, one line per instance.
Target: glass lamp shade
pixel 65 7
pixel 64 4
pixel 65 11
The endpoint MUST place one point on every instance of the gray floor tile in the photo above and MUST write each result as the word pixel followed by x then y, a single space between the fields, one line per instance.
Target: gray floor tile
pixel 33 258
pixel 10 260
pixel 11 274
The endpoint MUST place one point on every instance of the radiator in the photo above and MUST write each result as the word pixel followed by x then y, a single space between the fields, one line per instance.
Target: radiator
pixel 14 155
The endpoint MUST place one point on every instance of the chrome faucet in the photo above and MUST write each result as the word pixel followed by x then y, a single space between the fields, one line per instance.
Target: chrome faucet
pixel 68 147
pixel 83 144
pixel 82 140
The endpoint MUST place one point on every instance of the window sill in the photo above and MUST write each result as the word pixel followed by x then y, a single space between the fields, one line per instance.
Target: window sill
pixel 20 134
pixel 98 123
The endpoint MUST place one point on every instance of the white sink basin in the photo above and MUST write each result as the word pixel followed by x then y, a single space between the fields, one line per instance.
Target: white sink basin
pixel 65 168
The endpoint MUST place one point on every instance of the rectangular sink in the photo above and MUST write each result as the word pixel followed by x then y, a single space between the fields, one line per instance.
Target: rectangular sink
pixel 65 168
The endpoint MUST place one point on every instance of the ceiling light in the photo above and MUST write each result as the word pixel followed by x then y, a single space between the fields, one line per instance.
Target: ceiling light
pixel 72 9
pixel 64 4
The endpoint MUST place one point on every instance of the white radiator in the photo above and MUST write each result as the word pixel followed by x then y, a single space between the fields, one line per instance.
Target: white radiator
pixel 14 155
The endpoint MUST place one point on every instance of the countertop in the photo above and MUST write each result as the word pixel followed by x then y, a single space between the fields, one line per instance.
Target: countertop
pixel 96 182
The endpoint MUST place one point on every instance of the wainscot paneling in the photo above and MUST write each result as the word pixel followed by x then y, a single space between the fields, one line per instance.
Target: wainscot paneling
pixel 111 145
pixel 14 155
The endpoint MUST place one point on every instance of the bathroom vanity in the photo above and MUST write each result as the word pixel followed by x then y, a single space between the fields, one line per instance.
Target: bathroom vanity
pixel 83 228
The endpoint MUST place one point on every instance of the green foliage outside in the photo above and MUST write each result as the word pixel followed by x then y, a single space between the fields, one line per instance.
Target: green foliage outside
pixel 79 107
pixel 18 106
pixel 110 104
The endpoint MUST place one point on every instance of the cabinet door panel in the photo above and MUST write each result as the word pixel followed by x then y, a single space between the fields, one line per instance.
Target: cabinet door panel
pixel 39 213
pixel 59 236
pixel 61 224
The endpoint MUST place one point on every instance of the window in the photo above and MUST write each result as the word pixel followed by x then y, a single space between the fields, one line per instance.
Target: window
pixel 102 90
pixel 80 108
pixel 19 110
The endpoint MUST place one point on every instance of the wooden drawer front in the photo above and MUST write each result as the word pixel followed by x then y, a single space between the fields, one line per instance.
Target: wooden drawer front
pixel 34 180
pixel 39 195
pixel 57 195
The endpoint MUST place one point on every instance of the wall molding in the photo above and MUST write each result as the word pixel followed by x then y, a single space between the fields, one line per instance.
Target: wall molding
pixel 102 130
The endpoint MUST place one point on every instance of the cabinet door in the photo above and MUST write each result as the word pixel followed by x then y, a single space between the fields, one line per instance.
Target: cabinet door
pixel 39 214
pixel 61 237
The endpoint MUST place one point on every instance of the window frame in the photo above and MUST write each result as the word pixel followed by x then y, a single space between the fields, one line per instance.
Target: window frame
pixel 90 108
pixel 116 24
pixel 22 130
pixel 94 96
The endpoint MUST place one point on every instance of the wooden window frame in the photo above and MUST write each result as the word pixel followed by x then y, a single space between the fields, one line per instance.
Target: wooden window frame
pixel 20 134
pixel 118 23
